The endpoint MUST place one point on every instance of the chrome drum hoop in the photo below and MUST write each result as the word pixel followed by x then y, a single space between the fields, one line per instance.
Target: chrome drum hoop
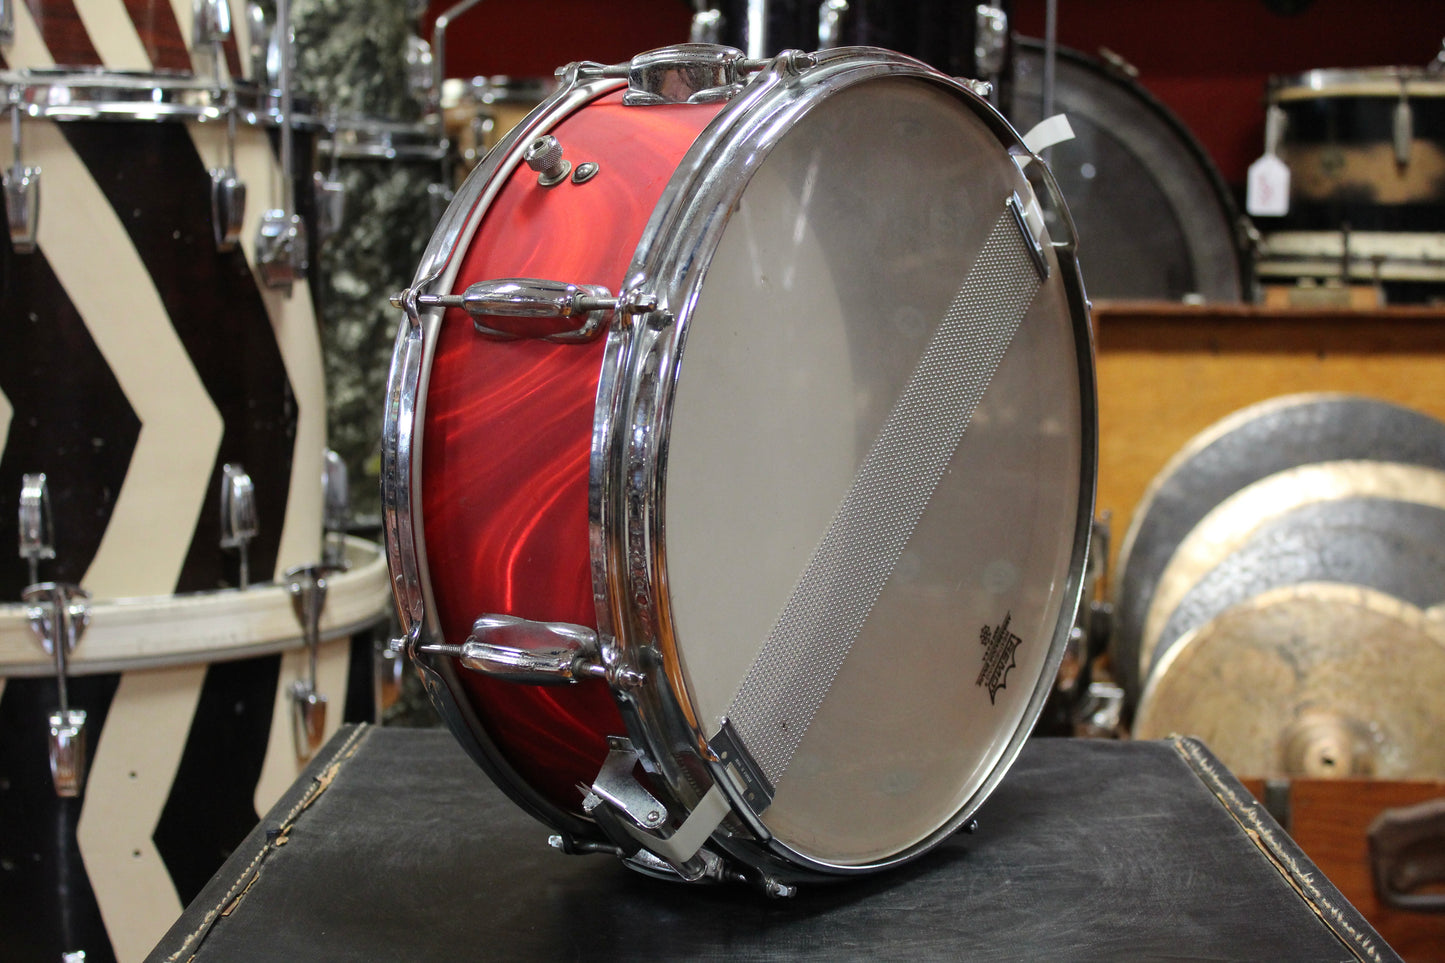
pixel 73 95
pixel 365 138
pixel 634 401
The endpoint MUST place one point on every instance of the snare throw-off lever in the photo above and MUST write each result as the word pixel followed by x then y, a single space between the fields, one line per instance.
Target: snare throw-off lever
pixel 58 616
pixel 307 584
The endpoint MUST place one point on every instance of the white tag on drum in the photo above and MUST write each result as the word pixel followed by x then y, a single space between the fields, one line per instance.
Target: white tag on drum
pixel 1268 191
pixel 1048 132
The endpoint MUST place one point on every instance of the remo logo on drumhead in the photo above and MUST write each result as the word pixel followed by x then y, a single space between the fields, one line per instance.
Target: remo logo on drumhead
pixel 739 460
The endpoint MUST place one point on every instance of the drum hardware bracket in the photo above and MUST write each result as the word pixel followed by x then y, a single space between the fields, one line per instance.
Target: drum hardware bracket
pixel 581 847
pixel 742 769
pixel 585 172
pixel 685 73
pixel 307 584
pixel 37 526
pixel 238 517
pixel 533 298
pixel 631 815
pixel 59 615
pixel 281 249
pixel 1032 243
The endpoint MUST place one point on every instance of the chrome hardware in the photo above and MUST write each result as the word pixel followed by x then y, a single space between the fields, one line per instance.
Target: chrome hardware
pixel 281 241
pixel 211 23
pixel 830 23
pixel 616 785
pixel 59 615
pixel 335 510
pixel 281 249
pixel 533 298
pixel 238 516
pixel 706 27
pixel 512 649
pixel 981 87
pixel 740 765
pixel 585 172
pixel 990 44
pixel 1031 240
pixel 307 584
pixel 686 73
pixel 37 526
pixel 1275 122
pixel 389 665
pixel 330 191
pixel 264 68
pixel 1403 129
pixel 544 155
pixel 420 69
pixel 22 192
pixel 228 207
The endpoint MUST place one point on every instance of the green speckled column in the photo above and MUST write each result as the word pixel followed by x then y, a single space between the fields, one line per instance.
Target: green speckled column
pixel 351 63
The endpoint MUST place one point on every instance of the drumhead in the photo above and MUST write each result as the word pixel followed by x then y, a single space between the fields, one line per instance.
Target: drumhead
pixel 896 571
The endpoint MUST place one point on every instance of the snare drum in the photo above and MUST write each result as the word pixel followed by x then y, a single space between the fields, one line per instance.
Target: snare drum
pixel 189 706
pixel 776 452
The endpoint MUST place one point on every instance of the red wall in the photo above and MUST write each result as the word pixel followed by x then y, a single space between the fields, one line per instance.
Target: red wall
pixel 1206 59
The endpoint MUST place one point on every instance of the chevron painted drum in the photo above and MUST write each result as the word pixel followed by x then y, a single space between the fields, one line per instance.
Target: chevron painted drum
pixel 162 431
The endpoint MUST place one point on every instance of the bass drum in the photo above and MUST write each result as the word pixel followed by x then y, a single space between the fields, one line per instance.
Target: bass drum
pixel 805 507
pixel 1155 219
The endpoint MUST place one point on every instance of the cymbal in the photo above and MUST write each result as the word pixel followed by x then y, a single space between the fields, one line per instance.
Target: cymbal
pixel 1317 679
pixel 1280 530
pixel 1240 449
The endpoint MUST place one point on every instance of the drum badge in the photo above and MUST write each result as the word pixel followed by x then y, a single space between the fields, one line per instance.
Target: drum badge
pixel 999 646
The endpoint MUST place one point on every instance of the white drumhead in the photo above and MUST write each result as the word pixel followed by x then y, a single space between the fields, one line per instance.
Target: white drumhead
pixel 850 243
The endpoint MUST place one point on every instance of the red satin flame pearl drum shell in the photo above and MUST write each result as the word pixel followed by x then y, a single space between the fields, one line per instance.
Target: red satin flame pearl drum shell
pixel 508 430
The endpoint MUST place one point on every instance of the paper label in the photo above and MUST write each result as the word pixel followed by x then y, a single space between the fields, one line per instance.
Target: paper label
pixel 1268 188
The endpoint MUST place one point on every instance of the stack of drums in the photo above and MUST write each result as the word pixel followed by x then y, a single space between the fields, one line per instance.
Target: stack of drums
pixel 152 375
pixel 1280 592
pixel 1366 154
pixel 381 153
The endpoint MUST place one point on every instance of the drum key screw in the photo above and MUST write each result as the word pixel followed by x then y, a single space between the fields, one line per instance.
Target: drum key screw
pixel 544 155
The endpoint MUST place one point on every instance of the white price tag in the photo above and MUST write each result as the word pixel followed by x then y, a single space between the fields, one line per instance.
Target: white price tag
pixel 1268 188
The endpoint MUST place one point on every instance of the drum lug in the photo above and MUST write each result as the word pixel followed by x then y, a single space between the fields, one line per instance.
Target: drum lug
pixel 228 207
pixel 59 615
pixel 307 584
pixel 533 298
pixel 238 516
pixel 7 22
pixel 22 206
pixel 211 24
pixel 37 527
pixel 335 511
pixel 281 249
pixel 512 649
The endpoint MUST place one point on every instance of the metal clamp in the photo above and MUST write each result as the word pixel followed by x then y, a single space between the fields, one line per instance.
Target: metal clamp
pixel 238 516
pixel 533 298
pixel 685 73
pixel 37 526
pixel 307 584
pixel 59 615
